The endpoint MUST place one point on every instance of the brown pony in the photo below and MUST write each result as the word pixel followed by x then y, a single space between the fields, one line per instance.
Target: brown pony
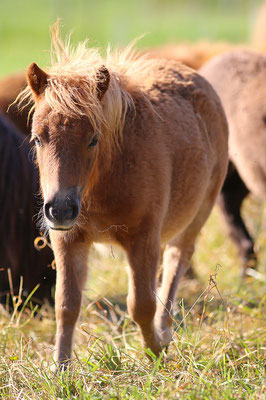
pixel 18 204
pixel 240 80
pixel 10 87
pixel 132 151
pixel 194 55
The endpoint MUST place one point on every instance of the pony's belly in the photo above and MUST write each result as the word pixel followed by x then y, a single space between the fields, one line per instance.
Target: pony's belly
pixel 254 177
pixel 186 199
pixel 176 224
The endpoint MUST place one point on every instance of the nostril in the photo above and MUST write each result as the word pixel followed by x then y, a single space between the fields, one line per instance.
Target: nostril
pixel 54 213
pixel 47 209
pixel 51 212
pixel 61 211
pixel 75 211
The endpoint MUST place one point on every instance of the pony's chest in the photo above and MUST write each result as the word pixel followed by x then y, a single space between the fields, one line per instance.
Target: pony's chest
pixel 107 224
pixel 109 208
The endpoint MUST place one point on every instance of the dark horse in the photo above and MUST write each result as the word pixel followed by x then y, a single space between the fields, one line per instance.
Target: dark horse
pixel 18 204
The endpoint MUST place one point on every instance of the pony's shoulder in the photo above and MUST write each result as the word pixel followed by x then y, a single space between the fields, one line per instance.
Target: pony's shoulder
pixel 172 71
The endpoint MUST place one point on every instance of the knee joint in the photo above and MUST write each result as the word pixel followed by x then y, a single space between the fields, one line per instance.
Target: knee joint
pixel 67 315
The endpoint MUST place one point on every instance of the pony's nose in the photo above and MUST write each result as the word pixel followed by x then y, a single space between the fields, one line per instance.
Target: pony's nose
pixel 61 213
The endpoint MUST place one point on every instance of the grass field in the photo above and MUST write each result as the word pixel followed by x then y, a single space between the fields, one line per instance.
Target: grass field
pixel 219 345
pixel 218 351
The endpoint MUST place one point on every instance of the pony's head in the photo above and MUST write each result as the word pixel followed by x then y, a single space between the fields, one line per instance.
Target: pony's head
pixel 80 105
pixel 66 141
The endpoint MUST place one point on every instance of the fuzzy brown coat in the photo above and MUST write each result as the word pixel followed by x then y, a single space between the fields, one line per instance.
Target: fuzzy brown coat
pixel 153 186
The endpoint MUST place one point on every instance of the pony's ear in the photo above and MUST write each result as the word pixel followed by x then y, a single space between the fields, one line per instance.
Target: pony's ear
pixel 103 79
pixel 37 79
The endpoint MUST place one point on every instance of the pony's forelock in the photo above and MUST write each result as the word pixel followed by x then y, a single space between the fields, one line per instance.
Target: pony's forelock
pixel 73 78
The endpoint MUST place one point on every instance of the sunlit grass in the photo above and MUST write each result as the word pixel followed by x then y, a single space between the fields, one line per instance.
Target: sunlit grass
pixel 218 348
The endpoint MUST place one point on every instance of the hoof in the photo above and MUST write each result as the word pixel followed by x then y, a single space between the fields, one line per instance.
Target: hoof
pixel 190 274
pixel 164 330
pixel 249 268
pixel 166 337
pixel 250 262
pixel 155 356
pixel 59 367
pixel 155 351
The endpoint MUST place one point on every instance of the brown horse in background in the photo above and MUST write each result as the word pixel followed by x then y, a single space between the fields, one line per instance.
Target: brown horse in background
pixel 18 204
pixel 240 80
pixel 10 87
pixel 194 55
pixel 132 151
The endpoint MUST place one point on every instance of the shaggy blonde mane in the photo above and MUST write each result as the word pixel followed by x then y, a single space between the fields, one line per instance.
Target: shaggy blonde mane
pixel 73 78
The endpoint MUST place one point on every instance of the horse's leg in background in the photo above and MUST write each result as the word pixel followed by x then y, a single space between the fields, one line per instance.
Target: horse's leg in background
pixel 71 270
pixel 144 257
pixel 176 262
pixel 230 200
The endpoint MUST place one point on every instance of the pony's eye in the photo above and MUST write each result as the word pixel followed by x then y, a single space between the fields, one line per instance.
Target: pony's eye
pixel 93 142
pixel 37 140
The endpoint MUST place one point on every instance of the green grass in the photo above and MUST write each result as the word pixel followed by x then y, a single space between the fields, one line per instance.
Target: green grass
pixel 24 25
pixel 218 351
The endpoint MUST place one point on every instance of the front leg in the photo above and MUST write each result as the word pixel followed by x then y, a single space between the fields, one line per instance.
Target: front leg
pixel 143 255
pixel 71 259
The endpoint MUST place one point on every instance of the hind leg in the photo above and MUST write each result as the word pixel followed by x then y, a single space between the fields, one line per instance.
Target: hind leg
pixel 230 200
pixel 176 262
